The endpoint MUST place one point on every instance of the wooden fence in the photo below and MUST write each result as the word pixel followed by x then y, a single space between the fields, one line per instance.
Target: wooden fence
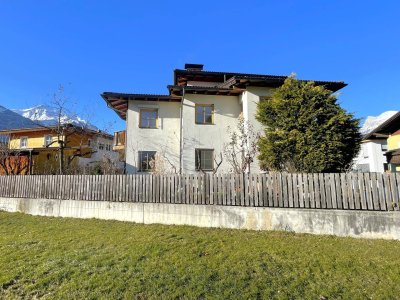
pixel 350 191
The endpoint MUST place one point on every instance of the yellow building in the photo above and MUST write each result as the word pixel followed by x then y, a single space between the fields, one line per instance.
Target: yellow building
pixel 69 144
pixel 391 130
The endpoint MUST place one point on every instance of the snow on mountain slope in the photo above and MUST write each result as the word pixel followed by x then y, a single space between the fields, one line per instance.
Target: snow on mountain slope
pixel 48 116
pixel 373 122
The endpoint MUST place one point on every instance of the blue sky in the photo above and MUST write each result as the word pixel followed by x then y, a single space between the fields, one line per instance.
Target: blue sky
pixel 133 46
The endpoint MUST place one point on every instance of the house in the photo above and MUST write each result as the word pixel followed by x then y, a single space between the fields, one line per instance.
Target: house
pixel 41 148
pixel 390 130
pixel 186 129
pixel 372 155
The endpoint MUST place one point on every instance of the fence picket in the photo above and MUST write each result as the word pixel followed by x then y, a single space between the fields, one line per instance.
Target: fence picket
pixel 364 191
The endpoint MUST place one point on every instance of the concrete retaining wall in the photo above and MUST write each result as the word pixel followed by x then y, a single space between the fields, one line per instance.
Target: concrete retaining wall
pixel 367 224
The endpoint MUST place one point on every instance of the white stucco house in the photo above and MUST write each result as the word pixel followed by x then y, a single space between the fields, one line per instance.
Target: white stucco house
pixel 188 126
pixel 374 146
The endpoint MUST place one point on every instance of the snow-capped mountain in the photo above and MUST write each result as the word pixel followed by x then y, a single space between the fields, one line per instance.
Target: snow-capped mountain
pixel 48 116
pixel 373 122
pixel 11 120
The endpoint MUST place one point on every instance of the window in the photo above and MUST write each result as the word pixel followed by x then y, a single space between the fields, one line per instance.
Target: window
pixel 145 160
pixel 108 147
pixel 47 140
pixel 204 159
pixel 101 146
pixel 148 118
pixel 384 147
pixel 23 142
pixel 204 114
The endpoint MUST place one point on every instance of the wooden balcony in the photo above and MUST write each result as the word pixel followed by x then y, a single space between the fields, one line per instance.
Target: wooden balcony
pixel 119 140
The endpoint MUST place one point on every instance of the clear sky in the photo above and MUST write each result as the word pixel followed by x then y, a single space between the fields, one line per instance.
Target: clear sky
pixel 133 46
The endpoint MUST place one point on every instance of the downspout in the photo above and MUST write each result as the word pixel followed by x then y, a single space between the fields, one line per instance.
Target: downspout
pixel 181 134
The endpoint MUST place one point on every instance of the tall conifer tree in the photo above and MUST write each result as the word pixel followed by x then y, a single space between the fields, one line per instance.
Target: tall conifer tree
pixel 306 130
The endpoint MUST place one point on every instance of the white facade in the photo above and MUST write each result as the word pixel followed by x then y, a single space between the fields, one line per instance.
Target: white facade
pixel 371 157
pixel 103 151
pixel 166 139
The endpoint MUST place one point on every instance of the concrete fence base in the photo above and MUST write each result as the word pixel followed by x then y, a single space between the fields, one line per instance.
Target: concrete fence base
pixel 366 224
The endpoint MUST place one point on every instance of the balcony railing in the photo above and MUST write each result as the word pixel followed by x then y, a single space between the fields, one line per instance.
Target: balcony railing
pixel 119 140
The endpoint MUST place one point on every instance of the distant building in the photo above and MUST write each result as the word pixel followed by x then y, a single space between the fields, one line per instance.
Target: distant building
pixel 390 129
pixel 41 148
pixel 372 155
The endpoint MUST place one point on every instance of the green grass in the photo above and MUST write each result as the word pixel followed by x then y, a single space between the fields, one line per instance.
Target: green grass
pixel 90 259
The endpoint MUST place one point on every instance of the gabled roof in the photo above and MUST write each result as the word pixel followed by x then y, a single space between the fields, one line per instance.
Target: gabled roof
pixel 218 83
pixel 388 127
pixel 241 80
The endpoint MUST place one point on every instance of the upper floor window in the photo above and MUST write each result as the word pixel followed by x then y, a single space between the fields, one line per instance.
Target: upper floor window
pixel 204 159
pixel 23 142
pixel 204 113
pixel 48 139
pixel 108 147
pixel 146 160
pixel 384 147
pixel 101 146
pixel 148 118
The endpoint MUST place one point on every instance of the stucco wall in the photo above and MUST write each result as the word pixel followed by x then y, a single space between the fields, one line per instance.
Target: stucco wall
pixel 366 224
pixel 394 141
pixel 371 154
pixel 250 99
pixel 165 139
pixel 226 112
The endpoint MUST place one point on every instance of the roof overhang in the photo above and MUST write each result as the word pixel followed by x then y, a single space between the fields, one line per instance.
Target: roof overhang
pixel 388 127
pixel 242 80
pixel 119 101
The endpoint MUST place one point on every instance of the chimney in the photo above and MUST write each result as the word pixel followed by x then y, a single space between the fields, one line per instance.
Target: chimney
pixel 194 67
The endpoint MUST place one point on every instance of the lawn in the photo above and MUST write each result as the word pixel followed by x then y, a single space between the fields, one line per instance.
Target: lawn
pixel 71 258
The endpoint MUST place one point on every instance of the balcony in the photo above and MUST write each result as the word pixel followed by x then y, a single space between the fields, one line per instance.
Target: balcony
pixel 119 140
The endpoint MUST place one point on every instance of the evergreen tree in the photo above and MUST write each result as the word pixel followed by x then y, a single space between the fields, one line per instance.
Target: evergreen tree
pixel 306 130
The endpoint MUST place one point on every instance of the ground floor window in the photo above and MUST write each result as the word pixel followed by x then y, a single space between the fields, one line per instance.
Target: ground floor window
pixel 204 159
pixel 146 160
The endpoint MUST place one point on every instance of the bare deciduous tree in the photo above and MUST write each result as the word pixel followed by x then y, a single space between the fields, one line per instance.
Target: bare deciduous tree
pixel 242 147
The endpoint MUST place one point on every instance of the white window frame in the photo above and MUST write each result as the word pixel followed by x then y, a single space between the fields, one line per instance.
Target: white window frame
pixel 26 143
pixel 45 139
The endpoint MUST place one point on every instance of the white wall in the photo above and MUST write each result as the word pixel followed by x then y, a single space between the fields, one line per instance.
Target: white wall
pixel 371 154
pixel 250 99
pixel 165 139
pixel 226 112
pixel 100 155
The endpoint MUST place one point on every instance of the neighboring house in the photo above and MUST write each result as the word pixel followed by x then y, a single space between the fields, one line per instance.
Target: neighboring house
pixel 83 146
pixel 390 130
pixel 372 155
pixel 187 128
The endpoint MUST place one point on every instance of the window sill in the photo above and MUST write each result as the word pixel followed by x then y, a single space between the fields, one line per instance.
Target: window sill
pixel 204 123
